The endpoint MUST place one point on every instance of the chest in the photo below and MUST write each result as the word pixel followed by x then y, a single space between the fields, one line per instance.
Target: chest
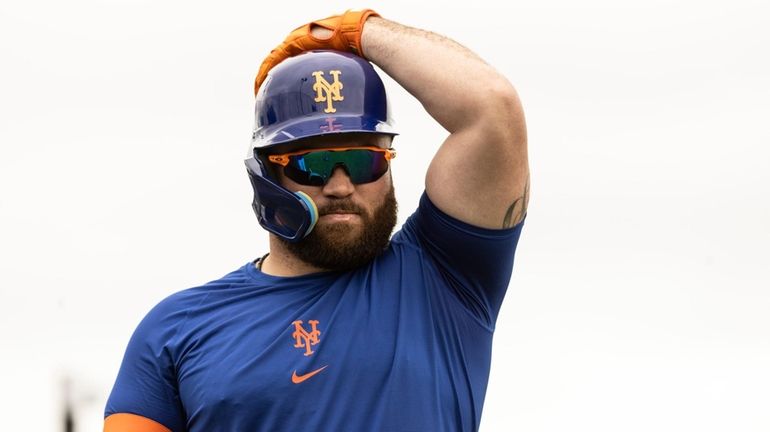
pixel 395 350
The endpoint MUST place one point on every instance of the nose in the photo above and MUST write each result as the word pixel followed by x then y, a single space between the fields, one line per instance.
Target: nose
pixel 339 184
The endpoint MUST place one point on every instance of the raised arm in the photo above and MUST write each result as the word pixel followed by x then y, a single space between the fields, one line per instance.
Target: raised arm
pixel 480 174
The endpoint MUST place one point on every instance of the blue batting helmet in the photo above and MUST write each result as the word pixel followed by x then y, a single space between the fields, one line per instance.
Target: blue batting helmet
pixel 315 93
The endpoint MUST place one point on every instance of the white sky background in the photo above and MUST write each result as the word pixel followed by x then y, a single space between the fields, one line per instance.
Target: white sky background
pixel 639 299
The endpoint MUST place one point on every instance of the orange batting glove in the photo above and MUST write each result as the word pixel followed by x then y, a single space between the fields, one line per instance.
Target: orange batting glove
pixel 346 36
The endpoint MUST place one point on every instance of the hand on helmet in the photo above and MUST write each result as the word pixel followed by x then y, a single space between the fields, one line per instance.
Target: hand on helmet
pixel 345 36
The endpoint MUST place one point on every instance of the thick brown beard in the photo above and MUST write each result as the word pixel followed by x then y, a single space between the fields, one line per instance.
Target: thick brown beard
pixel 327 247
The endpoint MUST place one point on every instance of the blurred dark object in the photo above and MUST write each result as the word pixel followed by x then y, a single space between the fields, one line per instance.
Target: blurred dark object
pixel 68 412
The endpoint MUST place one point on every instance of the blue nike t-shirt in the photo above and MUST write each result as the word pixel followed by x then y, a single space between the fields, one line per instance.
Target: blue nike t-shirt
pixel 402 344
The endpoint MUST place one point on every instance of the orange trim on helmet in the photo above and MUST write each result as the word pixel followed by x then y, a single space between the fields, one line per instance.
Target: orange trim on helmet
pixel 124 422
pixel 283 159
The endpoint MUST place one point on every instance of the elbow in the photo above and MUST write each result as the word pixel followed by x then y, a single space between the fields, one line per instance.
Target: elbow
pixel 501 97
pixel 489 106
pixel 502 112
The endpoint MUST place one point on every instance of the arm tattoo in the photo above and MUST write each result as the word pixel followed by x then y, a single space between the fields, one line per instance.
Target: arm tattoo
pixel 517 210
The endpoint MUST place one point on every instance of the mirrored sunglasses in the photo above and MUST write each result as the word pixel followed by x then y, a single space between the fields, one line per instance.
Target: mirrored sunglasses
pixel 315 167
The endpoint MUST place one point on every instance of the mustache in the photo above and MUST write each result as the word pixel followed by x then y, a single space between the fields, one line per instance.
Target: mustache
pixel 340 207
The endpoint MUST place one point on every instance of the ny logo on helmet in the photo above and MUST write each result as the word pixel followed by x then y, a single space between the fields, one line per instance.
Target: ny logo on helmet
pixel 326 92
pixel 304 338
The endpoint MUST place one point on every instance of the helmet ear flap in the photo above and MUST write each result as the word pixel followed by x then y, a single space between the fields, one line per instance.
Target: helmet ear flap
pixel 286 214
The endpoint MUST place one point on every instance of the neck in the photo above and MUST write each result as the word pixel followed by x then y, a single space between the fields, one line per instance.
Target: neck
pixel 282 263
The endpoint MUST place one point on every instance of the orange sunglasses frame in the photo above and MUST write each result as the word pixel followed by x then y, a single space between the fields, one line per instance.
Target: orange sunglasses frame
pixel 283 159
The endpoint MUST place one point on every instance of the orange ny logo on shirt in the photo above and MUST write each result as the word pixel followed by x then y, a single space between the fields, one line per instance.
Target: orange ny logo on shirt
pixel 304 338
pixel 326 92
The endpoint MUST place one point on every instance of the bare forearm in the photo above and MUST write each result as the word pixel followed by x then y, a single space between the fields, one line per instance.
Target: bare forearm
pixel 453 83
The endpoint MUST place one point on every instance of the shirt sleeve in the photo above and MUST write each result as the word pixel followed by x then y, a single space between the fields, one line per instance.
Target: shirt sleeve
pixel 476 262
pixel 146 384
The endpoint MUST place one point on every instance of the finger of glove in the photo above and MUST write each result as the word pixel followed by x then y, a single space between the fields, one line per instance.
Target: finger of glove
pixel 309 42
pixel 333 40
pixel 302 44
pixel 332 23
pixel 302 38
pixel 306 30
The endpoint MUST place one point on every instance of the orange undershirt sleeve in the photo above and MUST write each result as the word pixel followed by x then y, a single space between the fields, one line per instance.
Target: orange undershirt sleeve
pixel 123 422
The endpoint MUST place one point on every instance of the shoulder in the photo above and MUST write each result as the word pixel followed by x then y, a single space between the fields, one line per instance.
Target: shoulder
pixel 171 313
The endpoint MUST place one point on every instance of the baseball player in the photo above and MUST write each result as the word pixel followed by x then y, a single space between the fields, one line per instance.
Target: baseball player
pixel 341 327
